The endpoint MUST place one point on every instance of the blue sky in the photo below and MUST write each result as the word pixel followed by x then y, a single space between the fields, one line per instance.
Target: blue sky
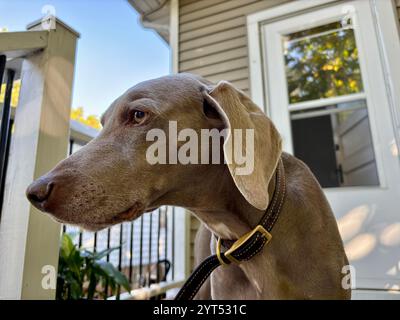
pixel 114 52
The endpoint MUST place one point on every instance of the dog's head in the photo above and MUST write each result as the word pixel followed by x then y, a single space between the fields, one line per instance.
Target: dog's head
pixel 111 179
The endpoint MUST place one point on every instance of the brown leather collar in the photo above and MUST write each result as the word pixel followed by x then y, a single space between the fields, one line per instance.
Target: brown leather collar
pixel 244 248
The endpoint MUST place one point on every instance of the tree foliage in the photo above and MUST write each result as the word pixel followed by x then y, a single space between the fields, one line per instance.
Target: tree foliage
pixel 91 120
pixel 321 63
pixel 14 94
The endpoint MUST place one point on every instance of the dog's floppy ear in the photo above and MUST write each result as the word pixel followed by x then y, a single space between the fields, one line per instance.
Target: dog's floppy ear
pixel 237 111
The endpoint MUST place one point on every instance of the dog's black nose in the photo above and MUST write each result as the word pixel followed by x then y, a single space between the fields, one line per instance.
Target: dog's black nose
pixel 39 191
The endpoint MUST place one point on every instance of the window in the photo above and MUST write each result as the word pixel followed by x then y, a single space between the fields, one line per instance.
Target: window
pixel 322 62
pixel 332 137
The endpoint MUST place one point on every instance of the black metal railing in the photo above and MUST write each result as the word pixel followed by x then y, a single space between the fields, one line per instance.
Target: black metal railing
pixel 6 124
pixel 146 247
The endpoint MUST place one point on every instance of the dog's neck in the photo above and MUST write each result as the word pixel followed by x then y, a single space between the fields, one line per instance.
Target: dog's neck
pixel 221 207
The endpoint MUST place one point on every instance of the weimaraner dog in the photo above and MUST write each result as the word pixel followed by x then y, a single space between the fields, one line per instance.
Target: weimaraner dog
pixel 110 181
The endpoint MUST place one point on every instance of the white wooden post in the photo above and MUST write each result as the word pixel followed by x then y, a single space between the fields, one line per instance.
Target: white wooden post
pixel 182 217
pixel 182 246
pixel 29 240
pixel 174 35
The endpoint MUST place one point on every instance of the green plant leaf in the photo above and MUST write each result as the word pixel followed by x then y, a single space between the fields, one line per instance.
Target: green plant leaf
pixel 67 246
pixel 104 253
pixel 76 263
pixel 116 275
pixel 76 290
pixel 92 285
pixel 81 271
pixel 86 253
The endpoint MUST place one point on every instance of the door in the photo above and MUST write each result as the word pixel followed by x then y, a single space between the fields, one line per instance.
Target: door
pixel 325 91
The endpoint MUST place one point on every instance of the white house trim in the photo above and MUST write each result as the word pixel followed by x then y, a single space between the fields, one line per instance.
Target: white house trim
pixel 388 30
pixel 174 35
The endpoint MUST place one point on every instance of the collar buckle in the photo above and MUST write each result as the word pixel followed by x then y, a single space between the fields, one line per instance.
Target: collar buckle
pixel 240 242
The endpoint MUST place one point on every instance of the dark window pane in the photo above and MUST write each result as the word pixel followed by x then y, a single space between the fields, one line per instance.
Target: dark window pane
pixel 336 143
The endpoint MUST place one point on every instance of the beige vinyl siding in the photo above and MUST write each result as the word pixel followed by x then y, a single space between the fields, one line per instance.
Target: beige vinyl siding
pixel 213 39
pixel 213 44
pixel 397 3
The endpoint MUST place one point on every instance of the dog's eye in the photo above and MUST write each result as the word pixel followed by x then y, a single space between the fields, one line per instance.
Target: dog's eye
pixel 139 117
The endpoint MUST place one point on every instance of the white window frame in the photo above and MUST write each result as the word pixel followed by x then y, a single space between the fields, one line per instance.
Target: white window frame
pixel 325 16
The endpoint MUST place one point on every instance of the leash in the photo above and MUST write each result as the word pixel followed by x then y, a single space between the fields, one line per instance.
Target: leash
pixel 242 249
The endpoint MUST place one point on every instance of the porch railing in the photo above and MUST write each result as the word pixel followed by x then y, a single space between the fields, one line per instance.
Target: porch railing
pixel 32 144
pixel 6 122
